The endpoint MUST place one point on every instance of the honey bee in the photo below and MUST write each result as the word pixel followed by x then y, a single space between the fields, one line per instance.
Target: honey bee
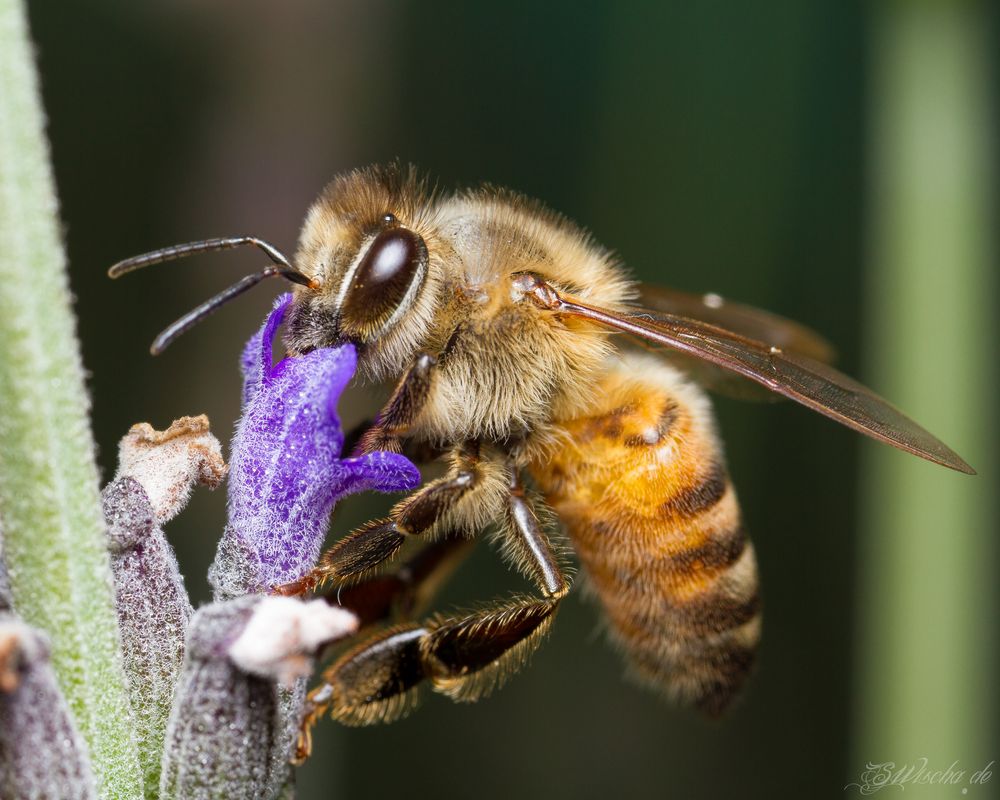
pixel 494 318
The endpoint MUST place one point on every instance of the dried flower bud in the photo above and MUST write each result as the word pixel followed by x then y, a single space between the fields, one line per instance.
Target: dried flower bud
pixel 286 470
pixel 228 734
pixel 169 463
pixel 153 612
pixel 42 755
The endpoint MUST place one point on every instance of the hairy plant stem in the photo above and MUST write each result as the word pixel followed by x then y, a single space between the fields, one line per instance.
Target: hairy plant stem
pixel 49 502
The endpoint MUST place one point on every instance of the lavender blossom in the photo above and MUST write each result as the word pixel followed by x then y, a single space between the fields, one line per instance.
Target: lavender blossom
pixel 286 470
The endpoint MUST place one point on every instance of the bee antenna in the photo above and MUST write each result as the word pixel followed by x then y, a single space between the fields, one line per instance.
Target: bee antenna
pixel 195 248
pixel 282 269
pixel 196 315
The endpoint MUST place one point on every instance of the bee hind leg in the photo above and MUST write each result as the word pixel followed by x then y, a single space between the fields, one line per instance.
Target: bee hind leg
pixel 473 654
pixel 398 595
pixel 463 656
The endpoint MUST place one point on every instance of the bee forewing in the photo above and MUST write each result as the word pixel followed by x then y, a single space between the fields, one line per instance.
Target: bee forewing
pixel 754 323
pixel 813 384
pixel 712 377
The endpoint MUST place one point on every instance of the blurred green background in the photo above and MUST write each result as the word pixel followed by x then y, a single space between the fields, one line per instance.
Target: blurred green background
pixel 833 161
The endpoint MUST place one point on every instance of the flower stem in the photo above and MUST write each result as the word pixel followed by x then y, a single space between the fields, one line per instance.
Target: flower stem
pixel 49 502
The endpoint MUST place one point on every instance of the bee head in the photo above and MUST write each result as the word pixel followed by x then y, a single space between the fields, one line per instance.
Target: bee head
pixel 364 244
pixel 363 272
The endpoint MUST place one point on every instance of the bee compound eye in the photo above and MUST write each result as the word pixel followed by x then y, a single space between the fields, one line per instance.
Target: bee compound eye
pixel 383 283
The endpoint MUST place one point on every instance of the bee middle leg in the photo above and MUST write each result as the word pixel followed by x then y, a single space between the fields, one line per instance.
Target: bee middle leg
pixel 376 542
pixel 407 591
pixel 463 656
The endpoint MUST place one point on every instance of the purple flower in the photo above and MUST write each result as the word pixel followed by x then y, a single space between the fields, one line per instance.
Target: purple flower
pixel 286 471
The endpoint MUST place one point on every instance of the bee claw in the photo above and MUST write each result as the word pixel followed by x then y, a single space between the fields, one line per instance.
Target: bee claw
pixel 304 585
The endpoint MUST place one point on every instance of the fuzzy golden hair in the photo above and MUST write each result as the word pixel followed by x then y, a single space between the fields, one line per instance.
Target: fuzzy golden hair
pixel 642 488
pixel 506 367
pixel 511 366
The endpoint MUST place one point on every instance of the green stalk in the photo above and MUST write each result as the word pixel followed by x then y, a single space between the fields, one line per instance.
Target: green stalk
pixel 929 648
pixel 49 503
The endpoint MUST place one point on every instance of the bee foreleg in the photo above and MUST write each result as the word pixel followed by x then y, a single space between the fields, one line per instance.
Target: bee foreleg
pixel 407 400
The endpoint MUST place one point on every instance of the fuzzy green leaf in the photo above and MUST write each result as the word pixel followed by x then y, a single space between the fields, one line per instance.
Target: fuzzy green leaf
pixel 49 502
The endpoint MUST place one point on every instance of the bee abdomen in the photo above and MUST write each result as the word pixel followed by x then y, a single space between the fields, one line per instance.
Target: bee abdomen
pixel 689 623
pixel 643 490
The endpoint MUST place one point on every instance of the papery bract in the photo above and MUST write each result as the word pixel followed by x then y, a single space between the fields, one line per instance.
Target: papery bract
pixel 286 470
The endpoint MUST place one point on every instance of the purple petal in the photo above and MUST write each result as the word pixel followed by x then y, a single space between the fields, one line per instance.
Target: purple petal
pixel 380 472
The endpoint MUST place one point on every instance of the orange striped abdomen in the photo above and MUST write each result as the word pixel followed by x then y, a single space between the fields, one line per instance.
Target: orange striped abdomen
pixel 642 488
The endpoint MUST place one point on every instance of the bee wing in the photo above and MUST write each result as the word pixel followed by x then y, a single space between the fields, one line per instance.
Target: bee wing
pixel 812 383
pixel 715 379
pixel 753 323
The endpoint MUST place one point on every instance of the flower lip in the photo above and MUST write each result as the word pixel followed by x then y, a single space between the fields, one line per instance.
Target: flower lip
pixel 256 359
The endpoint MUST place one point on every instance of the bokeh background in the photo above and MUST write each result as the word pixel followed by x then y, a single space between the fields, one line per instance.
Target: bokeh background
pixel 833 161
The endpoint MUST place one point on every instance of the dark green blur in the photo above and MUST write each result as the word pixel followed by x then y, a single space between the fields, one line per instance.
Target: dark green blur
pixel 717 147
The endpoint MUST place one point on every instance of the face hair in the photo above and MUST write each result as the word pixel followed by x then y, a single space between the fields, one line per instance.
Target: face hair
pixel 282 269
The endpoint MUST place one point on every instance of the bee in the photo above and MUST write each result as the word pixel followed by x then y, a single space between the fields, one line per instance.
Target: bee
pixel 508 335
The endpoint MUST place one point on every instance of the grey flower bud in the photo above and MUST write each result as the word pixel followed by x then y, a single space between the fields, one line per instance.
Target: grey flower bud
pixel 153 612
pixel 233 726
pixel 42 756
pixel 156 472
pixel 221 730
